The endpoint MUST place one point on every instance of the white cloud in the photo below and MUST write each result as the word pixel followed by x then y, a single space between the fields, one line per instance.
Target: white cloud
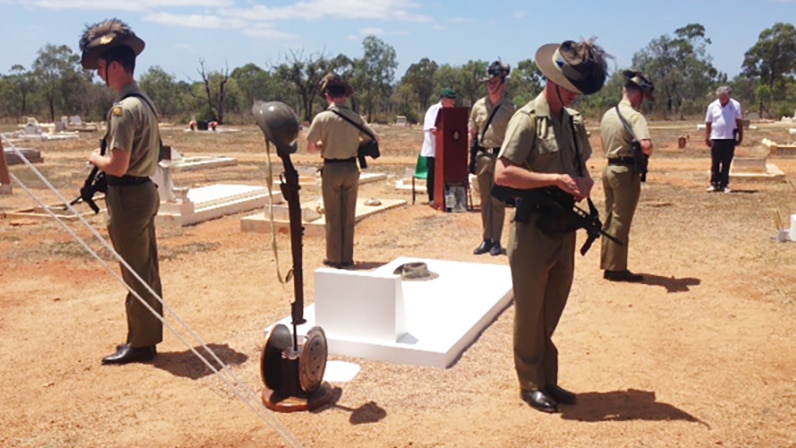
pixel 460 20
pixel 388 10
pixel 519 15
pixel 266 31
pixel 196 21
pixel 141 5
pixel 371 31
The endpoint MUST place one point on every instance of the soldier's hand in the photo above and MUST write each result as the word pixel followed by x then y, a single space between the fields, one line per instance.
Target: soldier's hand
pixel 585 185
pixel 707 142
pixel 568 184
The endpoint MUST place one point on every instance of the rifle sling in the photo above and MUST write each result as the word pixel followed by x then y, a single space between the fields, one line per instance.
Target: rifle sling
pixel 355 124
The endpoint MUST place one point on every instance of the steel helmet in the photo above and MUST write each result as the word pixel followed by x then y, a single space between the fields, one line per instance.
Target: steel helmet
pixel 279 123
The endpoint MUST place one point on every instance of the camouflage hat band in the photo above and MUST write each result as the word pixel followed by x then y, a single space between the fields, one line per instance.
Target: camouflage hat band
pixel 103 36
pixel 576 66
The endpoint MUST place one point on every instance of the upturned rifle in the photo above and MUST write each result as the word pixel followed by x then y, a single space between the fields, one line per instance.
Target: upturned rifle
pixel 552 201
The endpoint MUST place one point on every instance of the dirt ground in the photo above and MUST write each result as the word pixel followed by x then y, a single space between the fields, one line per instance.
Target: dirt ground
pixel 699 354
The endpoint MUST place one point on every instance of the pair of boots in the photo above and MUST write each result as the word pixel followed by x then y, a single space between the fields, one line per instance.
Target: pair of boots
pixel 493 247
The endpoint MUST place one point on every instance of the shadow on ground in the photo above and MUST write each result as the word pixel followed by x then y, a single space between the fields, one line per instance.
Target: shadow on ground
pixel 626 405
pixel 671 284
pixel 187 364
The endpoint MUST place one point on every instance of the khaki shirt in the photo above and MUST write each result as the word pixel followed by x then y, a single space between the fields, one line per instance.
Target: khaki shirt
pixel 479 115
pixel 615 139
pixel 133 127
pixel 339 138
pixel 551 148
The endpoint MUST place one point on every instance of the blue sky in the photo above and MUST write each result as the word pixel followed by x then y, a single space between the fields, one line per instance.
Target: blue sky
pixel 180 33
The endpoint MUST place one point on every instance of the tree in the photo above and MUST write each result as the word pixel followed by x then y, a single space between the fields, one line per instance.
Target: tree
pixel 526 83
pixel 162 88
pixel 55 71
pixel 772 62
pixel 680 68
pixel 470 86
pixel 419 80
pixel 20 86
pixel 303 76
pixel 214 94
pixel 375 74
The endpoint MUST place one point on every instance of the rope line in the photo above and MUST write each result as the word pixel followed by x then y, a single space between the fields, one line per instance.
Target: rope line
pixel 239 388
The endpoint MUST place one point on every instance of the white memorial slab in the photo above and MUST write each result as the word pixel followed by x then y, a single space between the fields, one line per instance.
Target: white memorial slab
pixel 754 168
pixel 204 203
pixel 375 315
pixel 314 223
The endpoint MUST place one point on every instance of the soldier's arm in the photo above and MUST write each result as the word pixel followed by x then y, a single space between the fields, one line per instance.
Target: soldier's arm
pixel 115 164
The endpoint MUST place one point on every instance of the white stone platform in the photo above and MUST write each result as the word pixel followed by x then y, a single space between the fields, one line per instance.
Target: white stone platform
pixel 314 224
pixel 204 203
pixel 753 168
pixel 13 158
pixel 193 163
pixel 310 176
pixel 375 315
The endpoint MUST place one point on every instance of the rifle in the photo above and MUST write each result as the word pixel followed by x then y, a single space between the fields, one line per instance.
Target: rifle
pixel 474 148
pixel 640 160
pixel 96 182
pixel 559 211
pixel 289 184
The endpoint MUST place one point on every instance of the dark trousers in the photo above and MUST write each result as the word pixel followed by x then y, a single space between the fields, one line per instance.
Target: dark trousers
pixel 430 180
pixel 721 154
pixel 131 226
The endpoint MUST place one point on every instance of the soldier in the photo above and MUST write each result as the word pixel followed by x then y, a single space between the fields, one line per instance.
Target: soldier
pixel 338 141
pixel 133 148
pixel 489 118
pixel 621 178
pixel 546 145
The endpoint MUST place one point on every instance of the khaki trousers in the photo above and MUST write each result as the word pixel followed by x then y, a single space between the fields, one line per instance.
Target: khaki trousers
pixel 622 187
pixel 339 185
pixel 542 268
pixel 493 211
pixel 131 225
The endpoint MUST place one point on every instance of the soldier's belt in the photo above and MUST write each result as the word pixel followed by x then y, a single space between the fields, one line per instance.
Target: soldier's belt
pixel 127 181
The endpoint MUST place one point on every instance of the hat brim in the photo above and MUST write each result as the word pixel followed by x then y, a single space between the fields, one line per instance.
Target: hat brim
pixel 89 58
pixel 548 67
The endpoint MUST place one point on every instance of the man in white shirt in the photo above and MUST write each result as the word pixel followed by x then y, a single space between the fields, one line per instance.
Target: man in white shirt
pixel 723 131
pixel 429 150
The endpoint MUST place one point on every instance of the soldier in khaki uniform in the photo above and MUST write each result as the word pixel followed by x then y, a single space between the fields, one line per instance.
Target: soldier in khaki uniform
pixel 338 140
pixel 621 181
pixel 546 145
pixel 133 148
pixel 489 118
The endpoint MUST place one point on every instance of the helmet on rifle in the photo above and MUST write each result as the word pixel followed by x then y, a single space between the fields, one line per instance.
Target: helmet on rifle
pixel 279 123
pixel 103 36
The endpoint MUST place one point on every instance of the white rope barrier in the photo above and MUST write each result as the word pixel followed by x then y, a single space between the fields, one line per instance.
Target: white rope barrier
pixel 239 388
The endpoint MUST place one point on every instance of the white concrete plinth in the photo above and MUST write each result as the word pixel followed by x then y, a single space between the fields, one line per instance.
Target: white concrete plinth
pixel 360 312
pixel 13 155
pixel 406 185
pixel 310 176
pixel 770 172
pixel 193 163
pixel 204 203
pixel 260 222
